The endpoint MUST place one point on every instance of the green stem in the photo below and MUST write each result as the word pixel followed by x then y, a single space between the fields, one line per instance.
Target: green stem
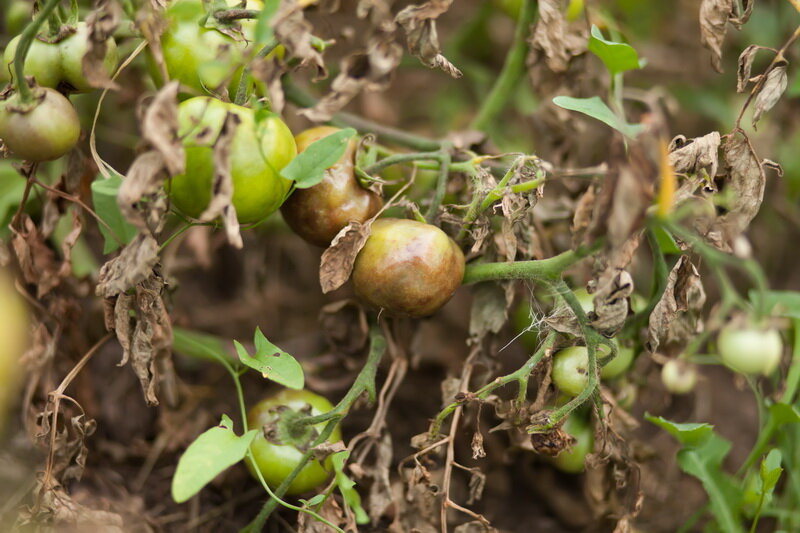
pixel 513 69
pixel 542 269
pixel 26 38
pixel 176 235
pixel 441 184
pixel 402 158
pixel 244 81
pixel 299 97
pixel 520 375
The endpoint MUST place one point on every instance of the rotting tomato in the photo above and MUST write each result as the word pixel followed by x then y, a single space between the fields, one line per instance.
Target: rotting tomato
pixel 203 59
pixel 276 459
pixel 14 332
pixel 573 459
pixel 318 213
pixel 45 130
pixel 261 146
pixel 749 349
pixel 61 63
pixel 407 268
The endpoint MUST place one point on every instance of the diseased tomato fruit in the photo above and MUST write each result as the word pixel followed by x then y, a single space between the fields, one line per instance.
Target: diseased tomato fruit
pixel 53 64
pixel 261 146
pixel 407 268
pixel 276 460
pixel 679 376
pixel 204 59
pixel 318 213
pixel 44 132
pixel 14 335
pixel 750 350
pixel 572 460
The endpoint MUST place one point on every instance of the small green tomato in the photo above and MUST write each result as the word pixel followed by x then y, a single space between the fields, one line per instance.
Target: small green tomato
pixel 750 350
pixel 679 376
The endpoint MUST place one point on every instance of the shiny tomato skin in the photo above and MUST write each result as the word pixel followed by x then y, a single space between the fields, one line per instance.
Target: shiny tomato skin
pixel 260 148
pixel 318 213
pixel 43 62
pixel 74 48
pixel 276 461
pixel 46 132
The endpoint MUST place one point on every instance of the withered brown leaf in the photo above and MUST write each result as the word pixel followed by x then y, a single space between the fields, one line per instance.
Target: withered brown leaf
pixel 101 24
pixel 337 261
pixel 714 15
pixel 745 66
pixel 695 155
pixel 549 35
pixel 294 32
pixel 611 290
pixel 132 266
pixel 160 127
pixel 419 23
pixel 771 91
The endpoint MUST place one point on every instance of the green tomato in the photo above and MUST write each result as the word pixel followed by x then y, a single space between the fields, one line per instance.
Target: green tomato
pixel 18 14
pixel 74 48
pixel 203 59
pixel 14 332
pixel 407 268
pixel 571 369
pixel 276 461
pixel 619 364
pixel 261 146
pixel 585 299
pixel 43 62
pixel 46 132
pixel 573 460
pixel 750 350
pixel 679 376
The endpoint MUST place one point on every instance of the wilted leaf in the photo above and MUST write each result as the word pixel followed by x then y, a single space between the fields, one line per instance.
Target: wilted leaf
pixel 549 35
pixel 141 196
pixel 160 128
pixel 273 363
pixel 695 155
pixel 210 454
pixel 745 65
pixel 293 31
pixel 337 261
pixel 611 291
pixel 101 23
pixel 771 91
pixel 419 23
pixel 132 266
pixel 489 310
pixel 714 15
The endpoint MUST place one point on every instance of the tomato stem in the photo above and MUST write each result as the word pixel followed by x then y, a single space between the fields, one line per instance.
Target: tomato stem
pixel 26 38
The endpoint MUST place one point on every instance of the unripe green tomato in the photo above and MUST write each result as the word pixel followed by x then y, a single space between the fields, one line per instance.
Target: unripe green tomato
pixel 318 213
pixel 750 350
pixel 18 14
pixel 14 335
pixel 276 461
pixel 679 376
pixel 585 299
pixel 573 459
pixel 203 58
pixel 261 146
pixel 618 364
pixel 43 62
pixel 571 366
pixel 46 132
pixel 407 268
pixel 74 48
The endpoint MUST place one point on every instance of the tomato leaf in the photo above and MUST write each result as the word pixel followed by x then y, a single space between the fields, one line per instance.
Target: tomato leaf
pixel 210 454
pixel 770 472
pixel 273 363
pixel 308 168
pixel 666 242
pixel 782 413
pixel 617 57
pixel 264 31
pixel 782 303
pixel 690 434
pixel 117 231
pixel 597 109
pixel 347 487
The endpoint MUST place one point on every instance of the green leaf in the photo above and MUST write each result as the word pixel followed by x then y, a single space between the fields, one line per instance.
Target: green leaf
pixel 770 472
pixel 347 487
pixel 316 500
pixel 617 57
pixel 264 31
pixel 689 435
pixel 781 413
pixel 104 198
pixel 705 463
pixel 308 168
pixel 272 362
pixel 210 454
pixel 665 240
pixel 781 303
pixel 597 109
pixel 200 345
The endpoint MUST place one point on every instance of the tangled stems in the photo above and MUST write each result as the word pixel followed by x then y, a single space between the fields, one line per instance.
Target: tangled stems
pixel 25 40
pixel 520 375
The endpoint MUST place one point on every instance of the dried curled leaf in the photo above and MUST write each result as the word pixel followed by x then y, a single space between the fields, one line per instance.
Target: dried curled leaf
pixel 101 23
pixel 612 291
pixel 771 91
pixel 675 318
pixel 337 261
pixel 293 31
pixel 695 155
pixel 160 127
pixel 370 70
pixel 419 23
pixel 131 267
pixel 714 15
pixel 745 66
pixel 549 35
pixel 141 197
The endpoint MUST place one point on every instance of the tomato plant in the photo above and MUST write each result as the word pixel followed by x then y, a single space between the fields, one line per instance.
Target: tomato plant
pixel 261 146
pixel 46 131
pixel 275 453
pixel 407 268
pixel 318 213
